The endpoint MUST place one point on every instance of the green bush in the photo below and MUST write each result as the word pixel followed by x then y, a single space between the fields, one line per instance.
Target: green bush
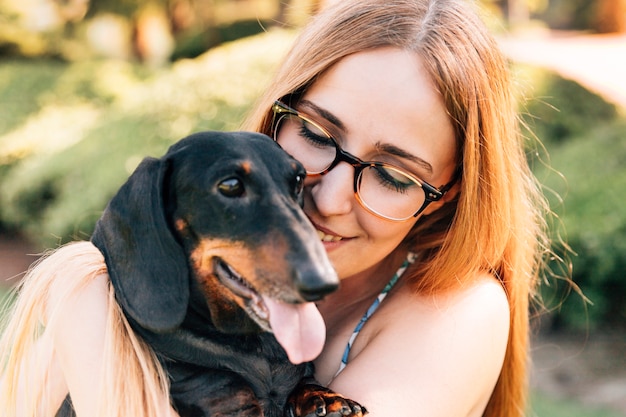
pixel 81 128
pixel 558 109
pixel 583 175
pixel 594 217
pixel 570 14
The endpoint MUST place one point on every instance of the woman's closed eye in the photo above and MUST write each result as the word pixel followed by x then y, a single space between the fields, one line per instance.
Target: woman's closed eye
pixel 392 179
pixel 314 136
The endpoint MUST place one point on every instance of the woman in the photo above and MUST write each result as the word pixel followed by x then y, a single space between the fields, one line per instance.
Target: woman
pixel 437 239
pixel 426 77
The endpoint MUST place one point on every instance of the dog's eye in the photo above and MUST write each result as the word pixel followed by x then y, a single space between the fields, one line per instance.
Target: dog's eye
pixel 299 185
pixel 231 187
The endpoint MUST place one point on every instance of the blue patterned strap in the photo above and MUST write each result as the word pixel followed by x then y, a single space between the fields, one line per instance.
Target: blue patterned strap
pixel 370 311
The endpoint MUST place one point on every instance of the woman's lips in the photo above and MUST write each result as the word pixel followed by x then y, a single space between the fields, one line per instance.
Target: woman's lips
pixel 328 238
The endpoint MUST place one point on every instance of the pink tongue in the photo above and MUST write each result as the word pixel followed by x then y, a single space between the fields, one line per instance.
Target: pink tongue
pixel 299 328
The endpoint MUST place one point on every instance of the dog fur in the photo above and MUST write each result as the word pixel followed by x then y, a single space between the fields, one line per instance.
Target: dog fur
pixel 192 242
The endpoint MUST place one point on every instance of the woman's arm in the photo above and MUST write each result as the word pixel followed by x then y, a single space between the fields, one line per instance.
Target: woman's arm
pixel 78 337
pixel 45 368
pixel 78 334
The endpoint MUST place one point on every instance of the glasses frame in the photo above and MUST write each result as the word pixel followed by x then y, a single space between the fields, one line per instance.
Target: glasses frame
pixel 431 193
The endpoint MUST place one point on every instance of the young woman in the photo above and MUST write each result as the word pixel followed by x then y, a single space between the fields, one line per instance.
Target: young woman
pixel 402 113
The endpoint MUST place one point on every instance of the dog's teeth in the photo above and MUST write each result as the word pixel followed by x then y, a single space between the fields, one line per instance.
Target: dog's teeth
pixel 238 277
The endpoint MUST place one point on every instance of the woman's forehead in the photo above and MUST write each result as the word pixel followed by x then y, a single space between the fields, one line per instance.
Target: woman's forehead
pixel 385 96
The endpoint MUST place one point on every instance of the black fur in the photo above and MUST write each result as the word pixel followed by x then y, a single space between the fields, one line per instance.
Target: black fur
pixel 168 231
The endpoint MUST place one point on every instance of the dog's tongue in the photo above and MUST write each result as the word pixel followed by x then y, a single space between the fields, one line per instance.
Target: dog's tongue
pixel 299 328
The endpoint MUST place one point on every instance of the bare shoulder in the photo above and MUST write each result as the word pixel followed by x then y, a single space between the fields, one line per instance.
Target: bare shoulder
pixel 432 355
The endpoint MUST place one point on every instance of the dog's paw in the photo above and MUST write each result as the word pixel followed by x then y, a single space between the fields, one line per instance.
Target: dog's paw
pixel 311 400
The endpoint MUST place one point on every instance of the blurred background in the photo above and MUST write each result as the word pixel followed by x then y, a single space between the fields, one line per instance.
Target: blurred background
pixel 87 89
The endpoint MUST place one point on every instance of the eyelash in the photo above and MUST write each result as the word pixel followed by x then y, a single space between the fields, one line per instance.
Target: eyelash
pixel 387 180
pixel 317 140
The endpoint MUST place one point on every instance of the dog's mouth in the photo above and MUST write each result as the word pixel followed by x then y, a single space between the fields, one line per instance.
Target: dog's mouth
pixel 238 285
pixel 298 327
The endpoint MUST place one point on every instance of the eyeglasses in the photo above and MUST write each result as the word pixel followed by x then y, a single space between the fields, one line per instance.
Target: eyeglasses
pixel 383 189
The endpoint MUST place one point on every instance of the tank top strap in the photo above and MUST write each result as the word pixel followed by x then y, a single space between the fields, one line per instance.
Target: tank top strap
pixel 372 309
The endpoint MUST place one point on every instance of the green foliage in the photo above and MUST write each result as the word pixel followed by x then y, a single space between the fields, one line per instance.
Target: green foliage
pixel 585 138
pixel 194 43
pixel 570 14
pixel 558 109
pixel 82 130
pixel 20 84
pixel 545 406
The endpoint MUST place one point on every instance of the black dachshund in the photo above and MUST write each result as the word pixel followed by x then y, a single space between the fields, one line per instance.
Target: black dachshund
pixel 214 264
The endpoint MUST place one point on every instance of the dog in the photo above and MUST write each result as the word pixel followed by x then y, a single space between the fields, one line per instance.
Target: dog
pixel 217 268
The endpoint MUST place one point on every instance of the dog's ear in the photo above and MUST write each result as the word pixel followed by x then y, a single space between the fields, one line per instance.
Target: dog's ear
pixel 146 264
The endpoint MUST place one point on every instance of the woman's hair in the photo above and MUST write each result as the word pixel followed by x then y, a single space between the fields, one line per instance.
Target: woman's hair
pixel 133 382
pixel 496 222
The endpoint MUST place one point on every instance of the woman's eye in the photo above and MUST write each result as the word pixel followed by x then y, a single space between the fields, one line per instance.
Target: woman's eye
pixel 314 135
pixel 393 179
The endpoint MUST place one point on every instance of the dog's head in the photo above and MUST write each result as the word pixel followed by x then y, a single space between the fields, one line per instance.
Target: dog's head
pixel 215 225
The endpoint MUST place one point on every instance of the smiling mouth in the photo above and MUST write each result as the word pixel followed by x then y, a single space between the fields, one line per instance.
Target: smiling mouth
pixel 327 238
pixel 242 288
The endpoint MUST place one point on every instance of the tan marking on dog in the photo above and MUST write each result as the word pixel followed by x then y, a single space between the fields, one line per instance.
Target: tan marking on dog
pixel 246 166
pixel 263 264
pixel 180 225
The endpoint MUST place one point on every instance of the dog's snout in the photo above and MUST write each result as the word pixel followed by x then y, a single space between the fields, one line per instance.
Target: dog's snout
pixel 316 289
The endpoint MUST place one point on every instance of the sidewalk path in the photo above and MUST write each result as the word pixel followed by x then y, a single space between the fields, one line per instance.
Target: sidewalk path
pixel 598 62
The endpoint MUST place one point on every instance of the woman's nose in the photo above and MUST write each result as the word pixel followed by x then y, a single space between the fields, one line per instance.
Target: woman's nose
pixel 333 193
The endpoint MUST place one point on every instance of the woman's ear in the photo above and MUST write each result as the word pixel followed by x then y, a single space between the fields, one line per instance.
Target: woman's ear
pixel 452 193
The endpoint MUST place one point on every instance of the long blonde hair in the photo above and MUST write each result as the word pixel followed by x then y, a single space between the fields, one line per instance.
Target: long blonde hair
pixel 497 222
pixel 133 382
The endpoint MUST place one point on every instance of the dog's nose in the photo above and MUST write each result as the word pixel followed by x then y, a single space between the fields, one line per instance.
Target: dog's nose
pixel 315 291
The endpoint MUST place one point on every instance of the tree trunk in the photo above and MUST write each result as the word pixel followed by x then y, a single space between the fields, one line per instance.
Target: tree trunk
pixel 610 16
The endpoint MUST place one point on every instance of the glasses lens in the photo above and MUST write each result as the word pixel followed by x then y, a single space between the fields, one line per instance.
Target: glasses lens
pixel 306 142
pixel 382 189
pixel 389 192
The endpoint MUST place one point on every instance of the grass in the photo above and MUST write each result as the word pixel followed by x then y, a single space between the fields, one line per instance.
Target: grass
pixel 543 405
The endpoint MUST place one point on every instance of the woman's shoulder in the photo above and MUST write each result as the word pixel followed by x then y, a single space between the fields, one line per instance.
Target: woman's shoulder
pixel 481 301
pixel 75 272
pixel 427 349
pixel 474 318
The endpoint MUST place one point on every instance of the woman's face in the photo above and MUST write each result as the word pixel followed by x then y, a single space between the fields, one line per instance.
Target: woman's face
pixel 380 105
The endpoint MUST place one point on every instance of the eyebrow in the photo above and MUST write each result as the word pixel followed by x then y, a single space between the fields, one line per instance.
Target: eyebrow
pixel 394 150
pixel 324 113
pixel 384 147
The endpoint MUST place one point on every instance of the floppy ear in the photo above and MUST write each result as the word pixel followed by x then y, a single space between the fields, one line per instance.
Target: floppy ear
pixel 146 264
